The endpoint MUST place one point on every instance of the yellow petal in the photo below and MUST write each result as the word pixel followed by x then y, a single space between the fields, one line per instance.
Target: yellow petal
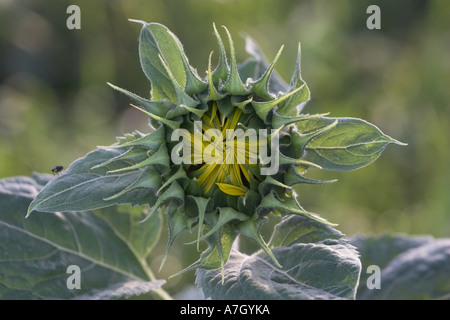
pixel 208 177
pixel 235 175
pixel 230 189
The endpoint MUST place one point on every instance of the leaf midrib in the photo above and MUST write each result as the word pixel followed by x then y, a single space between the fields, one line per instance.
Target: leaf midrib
pixel 274 269
pixel 344 147
pixel 76 253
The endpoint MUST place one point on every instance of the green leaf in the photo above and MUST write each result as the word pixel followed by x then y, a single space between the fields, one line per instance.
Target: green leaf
pixel 152 140
pixel 220 73
pixel 257 64
pixel 110 248
pixel 126 290
pixel 262 108
pixel 252 230
pixel 177 221
pixel 293 177
pixel 412 267
pixel 226 215
pixel 234 84
pixel 173 124
pixel 293 105
pixel 82 188
pixel 324 270
pixel 301 229
pixel 212 91
pixel 157 41
pixel 127 223
pixel 279 120
pixel 261 86
pixel 220 245
pixel 173 193
pixel 348 145
pixel 199 206
pixel 383 248
pixel 218 252
pixel 159 108
pixel 271 202
pixel 161 157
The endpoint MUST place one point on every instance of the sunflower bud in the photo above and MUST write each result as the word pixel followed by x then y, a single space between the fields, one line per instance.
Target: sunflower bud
pixel 226 149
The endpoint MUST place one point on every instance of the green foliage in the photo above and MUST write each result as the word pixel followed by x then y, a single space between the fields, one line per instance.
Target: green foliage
pixel 316 264
pixel 138 170
pixel 83 188
pixel 411 267
pixel 110 247
pixel 122 175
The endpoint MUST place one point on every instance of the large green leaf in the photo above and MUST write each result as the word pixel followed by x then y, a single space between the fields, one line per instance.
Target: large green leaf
pixel 316 264
pixel 348 145
pixel 411 267
pixel 126 290
pixel 325 270
pixel 110 248
pixel 383 248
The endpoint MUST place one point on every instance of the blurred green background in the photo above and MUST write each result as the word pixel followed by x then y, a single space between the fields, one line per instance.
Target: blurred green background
pixel 55 105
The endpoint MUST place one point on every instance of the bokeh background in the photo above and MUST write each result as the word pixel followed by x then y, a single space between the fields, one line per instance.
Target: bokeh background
pixel 55 105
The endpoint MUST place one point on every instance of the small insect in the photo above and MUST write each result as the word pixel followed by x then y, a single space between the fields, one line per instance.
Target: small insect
pixel 57 169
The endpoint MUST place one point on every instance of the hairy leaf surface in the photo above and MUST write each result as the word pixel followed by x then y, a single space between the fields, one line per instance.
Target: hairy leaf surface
pixel 110 248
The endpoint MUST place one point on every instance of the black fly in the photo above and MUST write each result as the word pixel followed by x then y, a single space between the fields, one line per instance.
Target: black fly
pixel 57 169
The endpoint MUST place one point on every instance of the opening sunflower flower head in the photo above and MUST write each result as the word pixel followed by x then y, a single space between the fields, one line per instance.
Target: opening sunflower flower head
pixel 227 149
pixel 221 160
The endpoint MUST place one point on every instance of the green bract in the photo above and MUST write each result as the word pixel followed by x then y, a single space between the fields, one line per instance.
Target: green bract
pixel 221 200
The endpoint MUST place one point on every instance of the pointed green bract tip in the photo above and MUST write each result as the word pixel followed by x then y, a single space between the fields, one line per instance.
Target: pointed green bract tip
pixel 394 141
pixel 233 84
pixel 28 212
pixel 138 21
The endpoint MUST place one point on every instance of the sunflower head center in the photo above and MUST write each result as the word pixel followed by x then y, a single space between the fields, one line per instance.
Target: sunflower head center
pixel 226 153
